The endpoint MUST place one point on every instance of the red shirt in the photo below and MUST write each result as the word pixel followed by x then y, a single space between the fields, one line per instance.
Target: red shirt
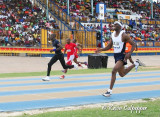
pixel 70 48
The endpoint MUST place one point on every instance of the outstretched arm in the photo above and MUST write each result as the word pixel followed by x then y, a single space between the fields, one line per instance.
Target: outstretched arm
pixel 109 46
pixel 59 48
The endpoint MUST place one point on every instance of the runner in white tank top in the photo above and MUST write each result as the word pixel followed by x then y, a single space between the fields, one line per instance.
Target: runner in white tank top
pixel 118 41
pixel 118 45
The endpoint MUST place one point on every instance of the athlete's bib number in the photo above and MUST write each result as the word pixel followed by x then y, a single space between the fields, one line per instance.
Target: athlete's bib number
pixel 69 50
pixel 116 45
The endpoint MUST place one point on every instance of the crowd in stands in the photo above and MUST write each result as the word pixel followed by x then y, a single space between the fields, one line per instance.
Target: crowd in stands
pixel 149 33
pixel 136 6
pixel 136 32
pixel 20 23
pixel 82 8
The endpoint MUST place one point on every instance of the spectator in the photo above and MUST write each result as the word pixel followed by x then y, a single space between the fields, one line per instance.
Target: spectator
pixel 7 40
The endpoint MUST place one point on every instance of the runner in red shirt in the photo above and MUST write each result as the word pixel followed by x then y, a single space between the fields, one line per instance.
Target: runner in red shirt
pixel 70 49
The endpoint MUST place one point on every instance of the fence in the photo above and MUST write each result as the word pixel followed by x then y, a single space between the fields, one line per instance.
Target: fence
pixel 86 38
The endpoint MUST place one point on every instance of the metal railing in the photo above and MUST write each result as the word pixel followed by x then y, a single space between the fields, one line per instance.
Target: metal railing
pixel 86 38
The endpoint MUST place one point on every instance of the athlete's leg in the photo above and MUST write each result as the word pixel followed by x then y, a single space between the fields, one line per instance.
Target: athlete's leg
pixel 122 71
pixel 131 60
pixel 75 60
pixel 116 68
pixel 52 61
pixel 65 66
pixel 70 59
pixel 78 62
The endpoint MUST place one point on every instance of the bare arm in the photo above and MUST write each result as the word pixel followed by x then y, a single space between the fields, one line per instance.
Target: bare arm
pixel 126 38
pixel 109 46
pixel 60 47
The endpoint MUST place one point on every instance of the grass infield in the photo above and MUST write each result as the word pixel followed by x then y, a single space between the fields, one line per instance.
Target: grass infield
pixel 58 72
pixel 147 109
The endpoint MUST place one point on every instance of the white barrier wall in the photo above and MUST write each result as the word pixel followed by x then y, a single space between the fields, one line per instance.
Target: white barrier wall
pixel 133 17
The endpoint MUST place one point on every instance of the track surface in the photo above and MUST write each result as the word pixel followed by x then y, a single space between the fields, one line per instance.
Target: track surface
pixel 19 94
pixel 38 64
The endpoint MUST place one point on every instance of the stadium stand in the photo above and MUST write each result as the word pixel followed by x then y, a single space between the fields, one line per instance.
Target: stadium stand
pixel 24 28
pixel 82 9
pixel 20 23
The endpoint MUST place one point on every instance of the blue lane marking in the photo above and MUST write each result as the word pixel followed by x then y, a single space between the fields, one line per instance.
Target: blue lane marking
pixel 65 89
pixel 74 81
pixel 55 103
pixel 74 77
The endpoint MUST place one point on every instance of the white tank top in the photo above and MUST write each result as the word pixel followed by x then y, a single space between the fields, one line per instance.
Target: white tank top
pixel 118 45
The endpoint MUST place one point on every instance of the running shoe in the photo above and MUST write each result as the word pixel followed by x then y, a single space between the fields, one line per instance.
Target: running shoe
pixel 75 66
pixel 107 94
pixel 64 71
pixel 86 63
pixel 62 77
pixel 136 63
pixel 141 63
pixel 46 78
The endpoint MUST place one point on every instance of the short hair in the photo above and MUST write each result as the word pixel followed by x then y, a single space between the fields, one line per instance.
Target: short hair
pixel 68 39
